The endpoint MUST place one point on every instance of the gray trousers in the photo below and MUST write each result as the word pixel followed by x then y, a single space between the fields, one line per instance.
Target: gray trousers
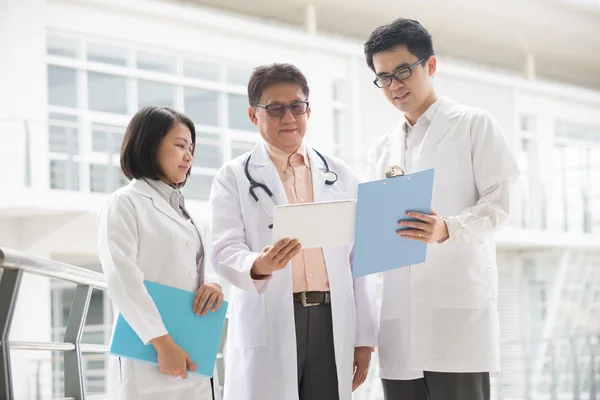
pixel 317 373
pixel 440 386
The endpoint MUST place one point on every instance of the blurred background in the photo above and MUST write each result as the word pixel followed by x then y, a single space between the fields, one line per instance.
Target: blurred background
pixel 72 73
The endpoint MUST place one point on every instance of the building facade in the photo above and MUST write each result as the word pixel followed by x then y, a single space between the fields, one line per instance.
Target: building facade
pixel 73 72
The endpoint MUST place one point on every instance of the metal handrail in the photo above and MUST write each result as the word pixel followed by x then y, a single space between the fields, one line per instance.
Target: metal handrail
pixel 15 264
pixel 12 259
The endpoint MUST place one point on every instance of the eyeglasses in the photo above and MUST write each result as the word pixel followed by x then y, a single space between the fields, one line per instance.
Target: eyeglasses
pixel 278 110
pixel 400 75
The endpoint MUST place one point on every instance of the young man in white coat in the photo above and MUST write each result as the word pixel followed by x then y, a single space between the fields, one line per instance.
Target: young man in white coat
pixel 300 326
pixel 439 336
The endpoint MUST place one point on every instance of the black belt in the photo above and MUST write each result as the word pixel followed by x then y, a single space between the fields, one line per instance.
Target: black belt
pixel 309 299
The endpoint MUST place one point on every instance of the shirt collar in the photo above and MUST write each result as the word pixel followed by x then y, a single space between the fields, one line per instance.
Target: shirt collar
pixel 427 116
pixel 281 159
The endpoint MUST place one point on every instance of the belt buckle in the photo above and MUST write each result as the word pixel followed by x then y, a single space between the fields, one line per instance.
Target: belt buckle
pixel 305 303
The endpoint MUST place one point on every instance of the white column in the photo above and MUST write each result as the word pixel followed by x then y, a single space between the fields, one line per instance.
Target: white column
pixel 24 98
pixel 23 87
pixel 530 66
pixel 310 19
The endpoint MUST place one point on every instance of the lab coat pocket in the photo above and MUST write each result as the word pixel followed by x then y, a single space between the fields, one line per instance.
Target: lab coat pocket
pixel 149 379
pixel 247 326
pixel 395 294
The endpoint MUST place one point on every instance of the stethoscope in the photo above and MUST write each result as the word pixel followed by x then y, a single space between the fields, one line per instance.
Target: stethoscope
pixel 330 178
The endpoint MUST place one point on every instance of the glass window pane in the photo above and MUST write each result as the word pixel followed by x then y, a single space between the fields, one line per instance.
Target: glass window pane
pixel 99 141
pixel 209 154
pixel 198 186
pixel 107 93
pixel 574 188
pixel 62 86
pixel 560 188
pixel 201 70
pixel 117 179
pixel 595 189
pixel 238 76
pixel 107 54
pixel 202 106
pixel 107 138
pixel 63 139
pixel 64 175
pixel 155 94
pixel 238 113
pixel 64 47
pixel 203 134
pixel 98 178
pixel 239 148
pixel 527 123
pixel 339 91
pixel 156 62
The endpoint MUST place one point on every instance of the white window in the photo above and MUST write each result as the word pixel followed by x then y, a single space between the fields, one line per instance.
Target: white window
pixel 342 139
pixel 202 106
pixel 107 93
pixel 155 94
pixel 577 182
pixel 238 113
pixel 62 86
pixel 115 80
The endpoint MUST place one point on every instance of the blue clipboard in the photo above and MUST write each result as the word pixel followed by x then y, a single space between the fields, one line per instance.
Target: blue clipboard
pixel 198 335
pixel 380 205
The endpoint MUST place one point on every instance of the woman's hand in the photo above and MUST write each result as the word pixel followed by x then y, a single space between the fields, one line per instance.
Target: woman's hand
pixel 209 295
pixel 172 359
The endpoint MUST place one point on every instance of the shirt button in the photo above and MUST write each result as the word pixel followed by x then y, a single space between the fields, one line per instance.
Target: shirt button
pixel 189 244
pixel 191 274
pixel 311 276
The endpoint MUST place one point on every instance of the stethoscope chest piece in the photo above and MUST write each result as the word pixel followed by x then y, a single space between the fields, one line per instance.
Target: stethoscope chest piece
pixel 330 177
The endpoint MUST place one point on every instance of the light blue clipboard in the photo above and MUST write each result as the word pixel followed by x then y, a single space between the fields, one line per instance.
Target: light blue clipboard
pixel 380 205
pixel 198 335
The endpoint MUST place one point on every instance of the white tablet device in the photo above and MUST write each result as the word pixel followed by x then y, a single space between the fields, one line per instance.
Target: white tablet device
pixel 329 223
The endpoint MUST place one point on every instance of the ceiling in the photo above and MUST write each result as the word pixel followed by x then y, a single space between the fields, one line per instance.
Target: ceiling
pixel 563 38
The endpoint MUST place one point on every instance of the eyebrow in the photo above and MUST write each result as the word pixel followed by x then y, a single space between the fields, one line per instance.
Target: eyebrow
pixel 403 65
pixel 296 100
pixel 185 140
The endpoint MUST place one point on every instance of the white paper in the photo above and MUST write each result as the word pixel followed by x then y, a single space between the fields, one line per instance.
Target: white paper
pixel 322 224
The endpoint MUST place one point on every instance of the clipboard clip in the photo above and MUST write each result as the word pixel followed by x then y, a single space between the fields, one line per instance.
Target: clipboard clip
pixel 393 171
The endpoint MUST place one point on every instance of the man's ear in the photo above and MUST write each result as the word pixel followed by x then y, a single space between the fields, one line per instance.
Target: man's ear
pixel 252 115
pixel 431 65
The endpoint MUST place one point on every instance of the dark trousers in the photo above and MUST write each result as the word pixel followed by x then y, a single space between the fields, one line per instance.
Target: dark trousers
pixel 440 386
pixel 317 373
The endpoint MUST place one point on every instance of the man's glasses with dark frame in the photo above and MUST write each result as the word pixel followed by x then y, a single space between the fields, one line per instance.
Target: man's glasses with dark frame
pixel 400 75
pixel 279 110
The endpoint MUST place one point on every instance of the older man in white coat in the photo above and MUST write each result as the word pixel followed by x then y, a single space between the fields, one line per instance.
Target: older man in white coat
pixel 300 326
pixel 439 336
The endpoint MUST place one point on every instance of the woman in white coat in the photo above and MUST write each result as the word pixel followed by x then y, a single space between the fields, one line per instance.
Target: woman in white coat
pixel 282 345
pixel 145 233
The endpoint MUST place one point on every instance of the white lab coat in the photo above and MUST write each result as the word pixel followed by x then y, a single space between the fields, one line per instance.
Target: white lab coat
pixel 261 362
pixel 441 315
pixel 140 236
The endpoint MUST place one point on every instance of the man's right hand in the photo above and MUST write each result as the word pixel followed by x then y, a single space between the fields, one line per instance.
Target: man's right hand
pixel 172 359
pixel 274 258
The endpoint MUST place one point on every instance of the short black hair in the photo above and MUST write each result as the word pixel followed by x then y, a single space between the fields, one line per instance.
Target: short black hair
pixel 267 75
pixel 145 132
pixel 402 31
